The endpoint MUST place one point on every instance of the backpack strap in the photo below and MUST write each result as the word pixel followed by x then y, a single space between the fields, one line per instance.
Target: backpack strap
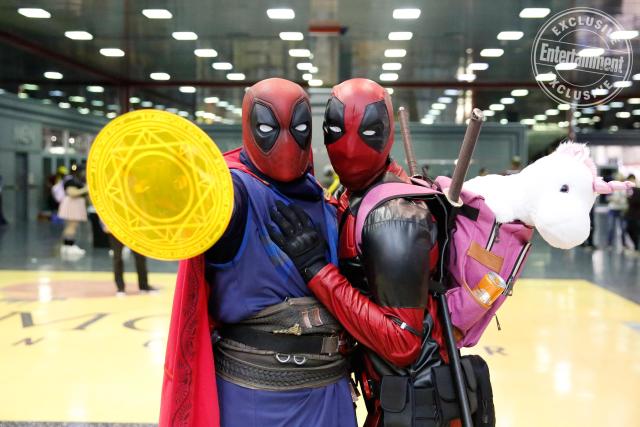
pixel 384 192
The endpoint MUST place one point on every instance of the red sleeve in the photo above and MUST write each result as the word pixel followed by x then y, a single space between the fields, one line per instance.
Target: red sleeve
pixel 367 322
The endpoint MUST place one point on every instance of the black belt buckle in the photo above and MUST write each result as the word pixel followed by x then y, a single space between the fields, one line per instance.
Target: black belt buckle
pixel 330 345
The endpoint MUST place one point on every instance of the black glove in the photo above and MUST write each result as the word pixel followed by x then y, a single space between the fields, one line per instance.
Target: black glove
pixel 299 239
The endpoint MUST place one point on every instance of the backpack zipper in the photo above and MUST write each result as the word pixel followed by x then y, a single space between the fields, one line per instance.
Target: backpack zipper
pixel 511 280
pixel 494 234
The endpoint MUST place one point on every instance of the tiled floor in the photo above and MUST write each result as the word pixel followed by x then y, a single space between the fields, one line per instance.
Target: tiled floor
pixel 71 351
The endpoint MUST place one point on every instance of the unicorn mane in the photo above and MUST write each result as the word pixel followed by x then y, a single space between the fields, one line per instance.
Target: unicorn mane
pixel 580 152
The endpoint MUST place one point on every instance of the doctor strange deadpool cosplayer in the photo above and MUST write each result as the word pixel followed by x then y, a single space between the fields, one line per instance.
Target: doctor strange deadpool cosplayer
pixel 379 291
pixel 248 343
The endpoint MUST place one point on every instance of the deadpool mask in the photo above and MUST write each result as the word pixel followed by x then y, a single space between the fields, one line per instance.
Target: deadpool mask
pixel 276 128
pixel 358 131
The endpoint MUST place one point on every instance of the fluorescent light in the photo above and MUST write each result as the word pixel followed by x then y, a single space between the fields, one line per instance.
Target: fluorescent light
pixel 23 95
pixel 388 77
pixel 552 112
pixel 134 100
pixel 391 66
pixel 307 76
pixel 172 110
pixel 64 105
pixel 222 65
pixel 230 107
pixel 112 51
pixel 623 35
pixel 633 101
pixel 466 77
pixel 34 12
pixel 187 89
pixel 77 98
pixel 184 35
pixel 157 13
pixel 478 66
pixel 211 100
pixel 159 107
pixel 616 104
pixel 81 110
pixel 29 86
pixel 507 101
pixel 563 66
pixel 488 113
pixel 315 82
pixel 603 108
pixel 223 104
pixel 623 114
pixel 291 35
pixel 577 114
pixel 510 35
pixel 281 13
pixel 299 53
pixel 400 35
pixel 237 111
pixel 183 113
pixel 408 13
pixel 235 76
pixel 389 90
pixel 395 53
pixel 622 83
pixel 313 70
pixel 146 104
pixel 591 51
pixel 534 12
pixel 491 53
pixel 496 107
pixel 519 92
pixel 546 77
pixel 540 117
pixel 438 106
pixel 636 112
pixel 504 121
pixel 584 120
pixel 452 92
pixel 111 115
pixel 636 76
pixel 444 99
pixel 599 92
pixel 564 107
pixel 78 35
pixel 434 112
pixel 427 120
pixel 53 75
pixel 159 76
pixel 304 66
pixel 206 53
pixel 95 89
pixel 97 103
pixel 56 93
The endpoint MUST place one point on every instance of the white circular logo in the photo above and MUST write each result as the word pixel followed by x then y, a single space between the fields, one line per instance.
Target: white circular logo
pixel 577 57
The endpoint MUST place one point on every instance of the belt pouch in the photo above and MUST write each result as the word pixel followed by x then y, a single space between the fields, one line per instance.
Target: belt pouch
pixel 396 401
pixel 446 394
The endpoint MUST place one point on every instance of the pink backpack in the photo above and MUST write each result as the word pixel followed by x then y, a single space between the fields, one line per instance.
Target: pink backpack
pixel 471 246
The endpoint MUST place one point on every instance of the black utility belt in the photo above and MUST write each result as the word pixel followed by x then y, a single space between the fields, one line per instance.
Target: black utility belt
pixel 283 343
pixel 405 405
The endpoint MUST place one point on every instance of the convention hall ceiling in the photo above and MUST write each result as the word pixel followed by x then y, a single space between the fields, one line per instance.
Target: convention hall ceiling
pixel 345 38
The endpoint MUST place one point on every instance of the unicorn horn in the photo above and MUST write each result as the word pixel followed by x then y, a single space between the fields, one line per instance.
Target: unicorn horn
pixel 601 187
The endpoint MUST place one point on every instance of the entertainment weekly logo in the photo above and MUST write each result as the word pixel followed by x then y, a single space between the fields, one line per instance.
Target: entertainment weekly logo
pixel 578 59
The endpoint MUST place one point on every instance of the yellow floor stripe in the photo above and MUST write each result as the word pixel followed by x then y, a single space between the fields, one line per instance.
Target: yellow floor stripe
pixel 70 350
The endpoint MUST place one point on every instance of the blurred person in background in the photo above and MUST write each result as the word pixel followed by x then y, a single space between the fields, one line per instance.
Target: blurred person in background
pixel 633 214
pixel 617 207
pixel 55 191
pixel 73 210
pixel 483 172
pixel 3 220
pixel 516 166
pixel 118 265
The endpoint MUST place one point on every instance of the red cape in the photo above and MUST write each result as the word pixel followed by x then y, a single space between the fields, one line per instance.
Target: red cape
pixel 189 392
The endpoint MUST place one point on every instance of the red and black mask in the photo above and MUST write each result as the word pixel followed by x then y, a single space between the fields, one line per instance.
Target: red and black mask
pixel 358 131
pixel 276 128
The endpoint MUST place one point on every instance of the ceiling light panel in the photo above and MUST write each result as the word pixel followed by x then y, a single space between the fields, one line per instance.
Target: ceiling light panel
pixel 157 13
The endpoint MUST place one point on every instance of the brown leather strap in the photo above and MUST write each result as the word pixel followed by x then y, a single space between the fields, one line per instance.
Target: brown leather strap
pixel 484 257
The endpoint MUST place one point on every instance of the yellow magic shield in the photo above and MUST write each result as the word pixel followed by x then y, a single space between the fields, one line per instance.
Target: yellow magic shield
pixel 160 184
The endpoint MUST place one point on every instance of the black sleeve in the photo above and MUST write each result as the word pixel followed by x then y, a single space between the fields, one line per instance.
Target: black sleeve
pixel 397 238
pixel 225 249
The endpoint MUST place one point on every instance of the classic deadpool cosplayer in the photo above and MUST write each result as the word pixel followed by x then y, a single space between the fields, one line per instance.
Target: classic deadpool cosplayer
pixel 379 292
pixel 277 350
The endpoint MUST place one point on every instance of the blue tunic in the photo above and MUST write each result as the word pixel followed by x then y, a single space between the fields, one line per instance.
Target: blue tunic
pixel 261 275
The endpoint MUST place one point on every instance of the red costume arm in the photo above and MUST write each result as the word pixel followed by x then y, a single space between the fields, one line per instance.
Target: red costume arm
pixel 370 324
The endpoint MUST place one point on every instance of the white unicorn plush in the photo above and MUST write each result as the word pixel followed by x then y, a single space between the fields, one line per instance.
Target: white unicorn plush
pixel 554 194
